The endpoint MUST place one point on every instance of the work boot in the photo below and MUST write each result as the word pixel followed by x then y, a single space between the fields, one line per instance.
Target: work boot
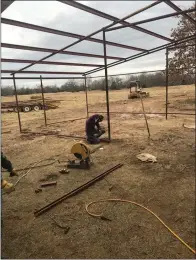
pixel 13 173
pixel 7 187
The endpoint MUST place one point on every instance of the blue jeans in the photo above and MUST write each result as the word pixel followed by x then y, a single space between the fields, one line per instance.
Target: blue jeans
pixel 93 138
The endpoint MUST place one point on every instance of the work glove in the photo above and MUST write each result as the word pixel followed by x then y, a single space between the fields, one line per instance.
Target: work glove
pixel 6 186
pixel 13 173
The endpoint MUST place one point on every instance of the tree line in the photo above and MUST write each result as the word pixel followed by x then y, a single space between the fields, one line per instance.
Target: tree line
pixel 147 80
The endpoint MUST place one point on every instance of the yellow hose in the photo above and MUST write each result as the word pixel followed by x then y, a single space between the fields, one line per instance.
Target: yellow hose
pixel 139 205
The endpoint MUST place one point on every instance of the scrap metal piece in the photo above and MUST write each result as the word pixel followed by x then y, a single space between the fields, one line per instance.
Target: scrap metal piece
pixel 38 190
pixel 48 183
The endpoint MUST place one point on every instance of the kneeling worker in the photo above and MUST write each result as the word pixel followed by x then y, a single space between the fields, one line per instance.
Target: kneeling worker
pixel 6 164
pixel 93 129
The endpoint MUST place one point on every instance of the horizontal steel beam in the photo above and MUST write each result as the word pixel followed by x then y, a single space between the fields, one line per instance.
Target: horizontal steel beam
pixel 129 73
pixel 62 33
pixel 181 46
pixel 65 121
pixel 25 78
pixel 5 5
pixel 50 62
pixel 153 19
pixel 39 49
pixel 41 72
pixel 135 73
pixel 176 8
pixel 75 191
pixel 156 49
pixel 113 18
pixel 147 113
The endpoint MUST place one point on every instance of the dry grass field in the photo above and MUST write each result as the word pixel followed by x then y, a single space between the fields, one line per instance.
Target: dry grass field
pixel 166 187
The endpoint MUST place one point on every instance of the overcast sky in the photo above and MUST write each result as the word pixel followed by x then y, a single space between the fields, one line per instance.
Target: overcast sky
pixel 60 16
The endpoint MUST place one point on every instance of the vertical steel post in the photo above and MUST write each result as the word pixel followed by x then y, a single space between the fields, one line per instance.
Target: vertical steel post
pixel 16 96
pixel 106 85
pixel 43 100
pixel 166 85
pixel 195 93
pixel 86 92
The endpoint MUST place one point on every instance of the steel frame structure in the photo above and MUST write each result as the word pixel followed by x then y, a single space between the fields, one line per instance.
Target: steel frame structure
pixel 119 60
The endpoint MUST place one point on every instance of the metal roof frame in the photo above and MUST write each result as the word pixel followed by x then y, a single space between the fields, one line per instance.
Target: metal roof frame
pixel 41 72
pixel 90 38
pixel 51 62
pixel 63 33
pixel 11 78
pixel 153 19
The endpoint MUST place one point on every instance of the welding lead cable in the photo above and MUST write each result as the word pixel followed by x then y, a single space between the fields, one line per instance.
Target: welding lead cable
pixel 141 206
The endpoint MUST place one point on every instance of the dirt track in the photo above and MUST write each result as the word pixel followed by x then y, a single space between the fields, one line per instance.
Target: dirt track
pixel 167 187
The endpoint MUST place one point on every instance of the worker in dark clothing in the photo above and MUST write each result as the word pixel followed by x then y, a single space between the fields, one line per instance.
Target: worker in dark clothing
pixel 6 164
pixel 93 129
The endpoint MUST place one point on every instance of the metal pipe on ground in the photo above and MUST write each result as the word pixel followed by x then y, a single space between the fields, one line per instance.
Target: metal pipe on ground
pixel 70 120
pixel 102 140
pixel 75 191
pixel 54 134
pixel 140 113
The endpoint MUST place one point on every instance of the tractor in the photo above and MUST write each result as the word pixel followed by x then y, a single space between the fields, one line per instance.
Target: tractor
pixel 137 91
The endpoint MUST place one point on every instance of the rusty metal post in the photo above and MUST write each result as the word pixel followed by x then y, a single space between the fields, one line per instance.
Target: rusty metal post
pixel 106 85
pixel 145 117
pixel 43 100
pixel 166 85
pixel 195 79
pixel 16 96
pixel 86 92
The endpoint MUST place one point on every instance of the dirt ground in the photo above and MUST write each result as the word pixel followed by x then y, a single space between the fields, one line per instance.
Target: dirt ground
pixel 166 187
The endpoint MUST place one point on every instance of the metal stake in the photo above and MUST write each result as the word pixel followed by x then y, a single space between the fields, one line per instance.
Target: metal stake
pixel 145 116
